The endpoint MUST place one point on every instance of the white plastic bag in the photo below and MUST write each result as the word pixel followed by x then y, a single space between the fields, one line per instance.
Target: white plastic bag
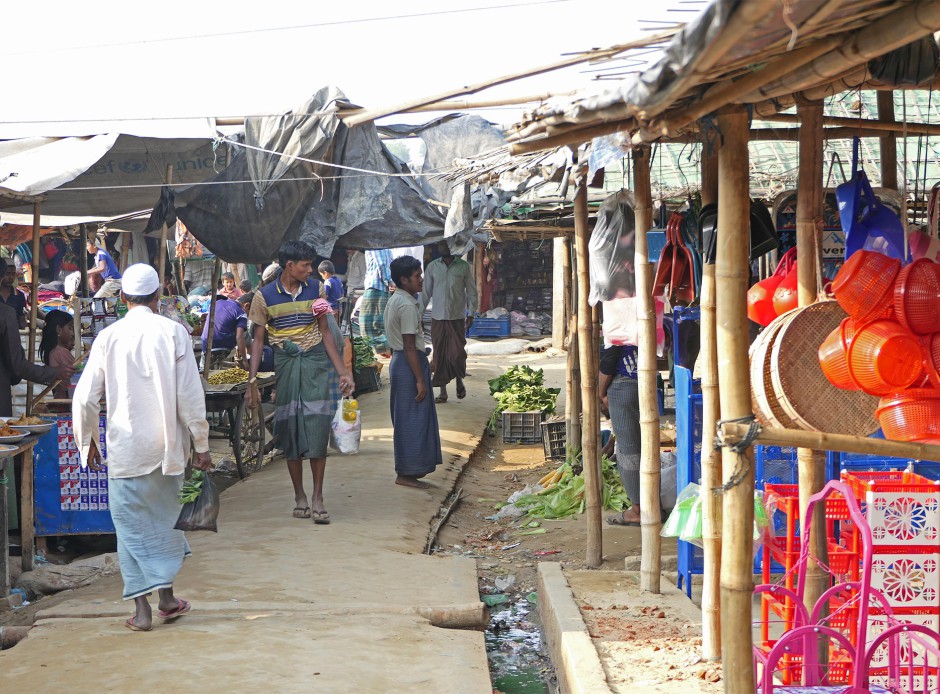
pixel 344 436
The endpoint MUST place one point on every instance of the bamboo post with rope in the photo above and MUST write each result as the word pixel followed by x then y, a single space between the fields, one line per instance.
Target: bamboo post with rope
pixel 811 464
pixel 33 300
pixel 161 268
pixel 711 457
pixel 731 283
pixel 649 503
pixel 588 360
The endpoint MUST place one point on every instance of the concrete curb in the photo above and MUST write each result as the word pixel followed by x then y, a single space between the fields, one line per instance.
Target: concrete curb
pixel 456 616
pixel 572 651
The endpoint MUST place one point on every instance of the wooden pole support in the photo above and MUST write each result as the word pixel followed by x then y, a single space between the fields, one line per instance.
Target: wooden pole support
pixel 731 280
pixel 650 556
pixel 161 267
pixel 711 458
pixel 889 142
pixel 33 301
pixel 734 432
pixel 216 272
pixel 590 428
pixel 573 370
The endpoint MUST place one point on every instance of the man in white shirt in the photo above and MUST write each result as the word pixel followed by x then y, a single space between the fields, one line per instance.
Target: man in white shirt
pixel 144 367
pixel 452 293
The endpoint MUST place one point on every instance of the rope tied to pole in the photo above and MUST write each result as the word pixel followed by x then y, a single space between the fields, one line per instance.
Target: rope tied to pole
pixel 743 463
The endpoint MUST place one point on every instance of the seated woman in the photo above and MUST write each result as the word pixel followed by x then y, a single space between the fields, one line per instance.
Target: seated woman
pixel 55 347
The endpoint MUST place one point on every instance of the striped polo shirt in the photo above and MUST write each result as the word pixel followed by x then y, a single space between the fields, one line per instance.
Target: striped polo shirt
pixel 287 317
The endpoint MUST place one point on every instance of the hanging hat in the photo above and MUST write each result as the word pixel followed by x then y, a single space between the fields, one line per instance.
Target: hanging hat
pixel 140 280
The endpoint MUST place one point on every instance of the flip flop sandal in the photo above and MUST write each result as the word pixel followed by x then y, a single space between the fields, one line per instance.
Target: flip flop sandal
pixel 440 401
pixel 301 512
pixel 133 627
pixel 182 607
pixel 320 517
pixel 461 392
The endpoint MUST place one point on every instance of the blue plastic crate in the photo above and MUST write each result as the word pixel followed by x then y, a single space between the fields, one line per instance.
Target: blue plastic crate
pixel 490 327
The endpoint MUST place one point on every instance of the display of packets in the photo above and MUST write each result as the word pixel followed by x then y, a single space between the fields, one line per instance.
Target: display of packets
pixel 80 489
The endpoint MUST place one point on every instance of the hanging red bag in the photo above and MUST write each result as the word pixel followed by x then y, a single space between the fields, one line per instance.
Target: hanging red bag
pixel 786 295
pixel 760 297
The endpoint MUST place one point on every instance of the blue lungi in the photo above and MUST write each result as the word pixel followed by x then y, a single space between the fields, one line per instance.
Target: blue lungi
pixel 417 437
pixel 144 510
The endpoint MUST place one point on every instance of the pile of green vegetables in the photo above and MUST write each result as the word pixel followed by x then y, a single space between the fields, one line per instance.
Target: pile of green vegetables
pixel 363 352
pixel 192 487
pixel 563 495
pixel 520 389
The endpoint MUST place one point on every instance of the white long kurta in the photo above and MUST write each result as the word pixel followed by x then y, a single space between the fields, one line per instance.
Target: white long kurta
pixel 144 367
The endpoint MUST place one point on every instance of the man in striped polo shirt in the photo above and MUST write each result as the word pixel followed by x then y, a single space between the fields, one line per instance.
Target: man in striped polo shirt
pixel 307 359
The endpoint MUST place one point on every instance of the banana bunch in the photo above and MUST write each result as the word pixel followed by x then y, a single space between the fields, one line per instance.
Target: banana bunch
pixel 228 376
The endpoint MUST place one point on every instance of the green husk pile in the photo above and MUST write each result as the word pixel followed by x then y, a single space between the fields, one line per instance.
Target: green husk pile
pixel 192 487
pixel 564 497
pixel 520 389
pixel 363 352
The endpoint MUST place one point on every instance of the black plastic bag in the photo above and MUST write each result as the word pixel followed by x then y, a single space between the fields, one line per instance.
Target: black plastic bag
pixel 202 513
pixel 908 65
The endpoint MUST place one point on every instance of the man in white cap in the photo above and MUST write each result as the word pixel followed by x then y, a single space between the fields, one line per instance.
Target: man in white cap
pixel 145 366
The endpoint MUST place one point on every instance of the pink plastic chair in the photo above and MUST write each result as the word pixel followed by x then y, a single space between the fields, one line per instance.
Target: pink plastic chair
pixel 802 646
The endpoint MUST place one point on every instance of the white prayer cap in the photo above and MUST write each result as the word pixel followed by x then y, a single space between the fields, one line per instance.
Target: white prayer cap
pixel 270 272
pixel 140 280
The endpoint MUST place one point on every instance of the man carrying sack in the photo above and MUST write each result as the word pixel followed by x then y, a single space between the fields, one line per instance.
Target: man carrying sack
pixel 156 407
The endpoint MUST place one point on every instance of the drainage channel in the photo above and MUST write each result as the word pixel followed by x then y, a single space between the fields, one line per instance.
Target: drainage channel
pixel 518 663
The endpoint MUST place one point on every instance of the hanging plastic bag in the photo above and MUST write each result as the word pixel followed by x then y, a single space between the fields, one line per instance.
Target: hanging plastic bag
pixel 346 429
pixel 611 250
pixel 926 244
pixel 202 512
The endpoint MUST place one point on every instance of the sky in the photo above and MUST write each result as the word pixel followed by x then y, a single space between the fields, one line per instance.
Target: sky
pixel 98 59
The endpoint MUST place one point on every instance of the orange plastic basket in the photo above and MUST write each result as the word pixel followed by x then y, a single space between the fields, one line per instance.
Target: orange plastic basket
pixel 863 481
pixel 917 297
pixel 884 357
pixel 932 359
pixel 864 284
pixel 787 499
pixel 833 355
pixel 911 415
pixel 840 558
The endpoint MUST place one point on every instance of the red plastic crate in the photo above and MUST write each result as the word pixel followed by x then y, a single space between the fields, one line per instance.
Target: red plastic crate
pixel 789 501
pixel 863 481
pixel 790 666
pixel 841 559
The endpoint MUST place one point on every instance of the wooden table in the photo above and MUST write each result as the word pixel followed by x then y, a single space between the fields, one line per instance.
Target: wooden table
pixel 23 452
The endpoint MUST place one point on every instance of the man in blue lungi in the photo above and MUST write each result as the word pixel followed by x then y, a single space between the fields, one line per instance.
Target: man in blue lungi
pixel 414 417
pixel 144 365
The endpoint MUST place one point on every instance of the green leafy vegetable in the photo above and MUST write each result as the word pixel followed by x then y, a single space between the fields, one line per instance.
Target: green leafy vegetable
pixel 363 352
pixel 192 487
pixel 520 389
pixel 566 497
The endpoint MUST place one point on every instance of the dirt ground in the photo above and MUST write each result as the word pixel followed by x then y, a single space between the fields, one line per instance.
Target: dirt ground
pixel 648 640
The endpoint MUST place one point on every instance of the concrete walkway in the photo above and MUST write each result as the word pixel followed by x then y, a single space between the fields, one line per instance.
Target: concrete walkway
pixel 281 604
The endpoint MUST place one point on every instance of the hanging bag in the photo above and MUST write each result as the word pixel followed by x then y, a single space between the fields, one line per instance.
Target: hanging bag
pixel 760 297
pixel 926 244
pixel 203 512
pixel 346 429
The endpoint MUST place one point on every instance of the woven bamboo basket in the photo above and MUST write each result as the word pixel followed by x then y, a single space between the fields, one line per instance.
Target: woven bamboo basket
pixel 801 388
pixel 769 412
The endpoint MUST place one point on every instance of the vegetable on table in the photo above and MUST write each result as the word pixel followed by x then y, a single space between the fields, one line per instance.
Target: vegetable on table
pixel 520 389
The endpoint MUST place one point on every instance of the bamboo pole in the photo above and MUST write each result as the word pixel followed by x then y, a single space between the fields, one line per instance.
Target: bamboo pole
pixel 458 104
pixel 216 272
pixel 889 143
pixel 733 432
pixel 372 114
pixel 559 245
pixel 892 31
pixel 711 457
pixel 573 370
pixel 811 464
pixel 649 503
pixel 871 124
pixel 83 288
pixel 589 401
pixel 33 303
pixel 731 280
pixel 161 268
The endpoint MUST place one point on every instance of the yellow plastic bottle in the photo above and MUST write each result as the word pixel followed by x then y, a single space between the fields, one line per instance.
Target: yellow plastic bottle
pixel 350 410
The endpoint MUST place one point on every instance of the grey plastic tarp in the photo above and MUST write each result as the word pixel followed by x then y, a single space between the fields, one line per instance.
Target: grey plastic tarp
pixel 340 197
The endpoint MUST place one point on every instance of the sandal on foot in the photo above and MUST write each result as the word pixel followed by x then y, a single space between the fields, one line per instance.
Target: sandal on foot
pixel 439 400
pixel 182 607
pixel 133 627
pixel 461 392
pixel 620 520
pixel 320 517
pixel 301 512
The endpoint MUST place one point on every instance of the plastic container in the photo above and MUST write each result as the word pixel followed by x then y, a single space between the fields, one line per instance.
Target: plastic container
pixel 864 284
pixel 932 359
pixel 554 439
pixel 917 297
pixel 883 358
pixel 522 427
pixel 490 327
pixel 911 415
pixel 833 355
